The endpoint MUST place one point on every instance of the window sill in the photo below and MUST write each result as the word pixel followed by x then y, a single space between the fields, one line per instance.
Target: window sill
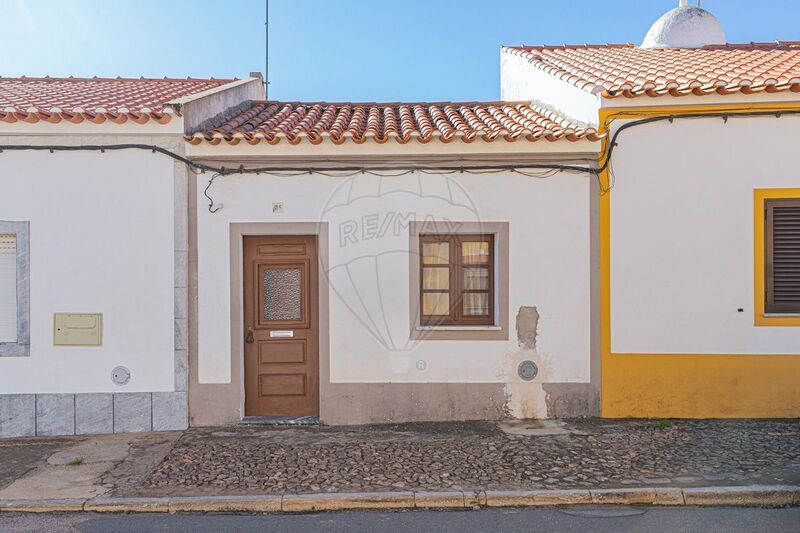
pixel 459 328
pixel 775 319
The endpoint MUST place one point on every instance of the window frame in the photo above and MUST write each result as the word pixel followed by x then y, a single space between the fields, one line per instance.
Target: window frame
pixel 456 290
pixel 762 317
pixel 770 307
pixel 500 330
pixel 21 347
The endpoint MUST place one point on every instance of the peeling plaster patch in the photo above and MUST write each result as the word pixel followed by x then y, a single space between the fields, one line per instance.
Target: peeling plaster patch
pixel 527 326
pixel 527 400
pixel 508 411
pixel 571 400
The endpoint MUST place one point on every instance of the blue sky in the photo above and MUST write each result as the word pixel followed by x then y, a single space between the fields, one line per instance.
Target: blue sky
pixel 360 50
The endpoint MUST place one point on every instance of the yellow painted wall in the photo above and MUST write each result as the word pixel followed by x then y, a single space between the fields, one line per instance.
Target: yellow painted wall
pixel 701 386
pixel 687 385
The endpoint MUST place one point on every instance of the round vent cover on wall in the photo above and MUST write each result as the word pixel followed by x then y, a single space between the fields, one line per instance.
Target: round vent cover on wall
pixel 120 375
pixel 527 370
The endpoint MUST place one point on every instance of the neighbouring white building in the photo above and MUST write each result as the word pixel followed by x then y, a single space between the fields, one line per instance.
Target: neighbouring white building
pixel 93 253
pixel 617 236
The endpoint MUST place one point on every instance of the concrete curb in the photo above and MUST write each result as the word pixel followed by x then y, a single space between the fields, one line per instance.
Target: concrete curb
pixel 42 506
pixel 755 495
pixel 749 496
pixel 222 504
pixel 300 503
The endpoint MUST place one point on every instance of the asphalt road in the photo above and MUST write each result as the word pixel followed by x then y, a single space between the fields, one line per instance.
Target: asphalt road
pixel 594 519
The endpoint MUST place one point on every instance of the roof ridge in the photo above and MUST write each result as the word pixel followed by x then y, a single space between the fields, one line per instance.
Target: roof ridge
pixel 568 46
pixel 776 44
pixel 118 78
pixel 395 103
pixel 753 44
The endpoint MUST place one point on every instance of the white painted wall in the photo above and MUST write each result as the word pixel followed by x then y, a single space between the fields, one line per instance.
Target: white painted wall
pixel 519 80
pixel 101 240
pixel 549 268
pixel 682 234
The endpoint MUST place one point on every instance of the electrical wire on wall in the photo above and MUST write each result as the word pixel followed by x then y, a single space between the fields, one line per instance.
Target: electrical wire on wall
pixel 534 170
pixel 612 144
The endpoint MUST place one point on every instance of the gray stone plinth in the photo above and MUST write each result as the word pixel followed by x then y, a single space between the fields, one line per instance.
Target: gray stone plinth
pixel 169 411
pixel 17 415
pixel 94 413
pixel 27 415
pixel 181 302
pixel 181 333
pixel 55 414
pixel 181 370
pixel 181 269
pixel 132 412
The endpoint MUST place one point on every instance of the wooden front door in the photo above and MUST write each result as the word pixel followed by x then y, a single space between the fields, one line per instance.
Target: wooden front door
pixel 281 330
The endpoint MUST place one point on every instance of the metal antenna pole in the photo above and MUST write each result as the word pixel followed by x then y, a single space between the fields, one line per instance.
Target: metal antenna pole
pixel 266 50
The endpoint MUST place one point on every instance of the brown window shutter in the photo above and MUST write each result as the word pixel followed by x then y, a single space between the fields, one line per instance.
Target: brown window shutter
pixel 783 255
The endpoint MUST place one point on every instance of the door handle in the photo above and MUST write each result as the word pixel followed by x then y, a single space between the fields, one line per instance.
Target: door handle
pixel 249 337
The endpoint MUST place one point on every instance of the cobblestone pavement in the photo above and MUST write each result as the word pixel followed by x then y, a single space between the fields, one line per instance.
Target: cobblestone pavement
pixel 474 456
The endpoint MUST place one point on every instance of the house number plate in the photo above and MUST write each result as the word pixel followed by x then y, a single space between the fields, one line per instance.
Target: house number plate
pixel 287 333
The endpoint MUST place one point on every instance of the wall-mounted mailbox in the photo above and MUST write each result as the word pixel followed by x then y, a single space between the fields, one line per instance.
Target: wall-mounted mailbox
pixel 78 329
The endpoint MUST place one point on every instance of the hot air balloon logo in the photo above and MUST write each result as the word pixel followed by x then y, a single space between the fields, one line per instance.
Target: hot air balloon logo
pixel 369 218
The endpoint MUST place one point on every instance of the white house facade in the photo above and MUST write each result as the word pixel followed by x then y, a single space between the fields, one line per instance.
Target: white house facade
pixel 380 361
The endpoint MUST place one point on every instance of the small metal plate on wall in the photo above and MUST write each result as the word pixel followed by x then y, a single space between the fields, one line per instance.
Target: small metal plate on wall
pixel 120 375
pixel 527 370
pixel 77 329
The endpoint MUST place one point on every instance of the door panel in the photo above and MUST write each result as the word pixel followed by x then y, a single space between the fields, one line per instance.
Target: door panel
pixel 275 351
pixel 281 332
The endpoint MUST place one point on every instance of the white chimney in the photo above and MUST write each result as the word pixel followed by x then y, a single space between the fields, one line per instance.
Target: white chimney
pixel 685 27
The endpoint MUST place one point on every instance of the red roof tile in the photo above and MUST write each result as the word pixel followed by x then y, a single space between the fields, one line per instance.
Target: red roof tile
pixel 315 122
pixel 95 99
pixel 614 70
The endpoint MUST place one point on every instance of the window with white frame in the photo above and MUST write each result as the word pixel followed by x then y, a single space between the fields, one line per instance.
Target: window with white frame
pixel 14 289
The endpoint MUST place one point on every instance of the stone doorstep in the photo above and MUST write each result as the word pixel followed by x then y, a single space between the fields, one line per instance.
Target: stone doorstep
pixel 749 496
